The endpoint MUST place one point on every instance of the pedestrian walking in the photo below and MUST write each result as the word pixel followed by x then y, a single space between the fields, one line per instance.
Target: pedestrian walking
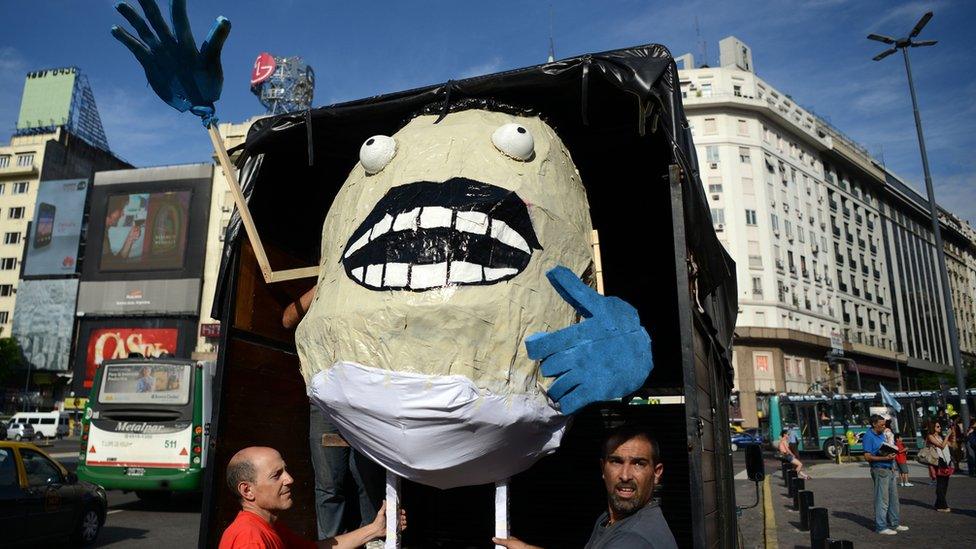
pixel 881 457
pixel 940 473
pixel 901 461
pixel 971 449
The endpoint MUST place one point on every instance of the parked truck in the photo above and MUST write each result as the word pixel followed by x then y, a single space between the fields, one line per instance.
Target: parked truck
pixel 620 115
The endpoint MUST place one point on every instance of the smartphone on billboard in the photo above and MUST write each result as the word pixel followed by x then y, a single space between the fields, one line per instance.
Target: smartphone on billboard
pixel 45 224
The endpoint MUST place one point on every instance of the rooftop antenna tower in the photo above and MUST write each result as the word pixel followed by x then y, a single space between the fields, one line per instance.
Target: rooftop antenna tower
pixel 702 45
pixel 282 84
pixel 552 47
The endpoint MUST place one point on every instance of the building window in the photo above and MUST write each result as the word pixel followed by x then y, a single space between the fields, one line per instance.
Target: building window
pixel 11 238
pixel 737 90
pixel 718 216
pixel 755 258
pixel 774 221
pixel 16 213
pixel 757 291
pixel 4 317
pixel 742 126
pixel 3 187
pixel 8 263
pixel 711 127
pixel 4 161
pixel 751 217
pixel 744 156
pixel 715 187
pixel 706 89
pixel 6 290
pixel 747 186
pixel 21 188
pixel 711 152
pixel 25 159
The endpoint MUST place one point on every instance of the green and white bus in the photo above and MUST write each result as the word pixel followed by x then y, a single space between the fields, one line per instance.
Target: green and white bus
pixel 146 426
pixel 830 423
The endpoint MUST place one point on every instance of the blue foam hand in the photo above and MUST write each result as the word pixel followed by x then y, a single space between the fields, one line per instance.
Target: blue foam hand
pixel 606 356
pixel 185 78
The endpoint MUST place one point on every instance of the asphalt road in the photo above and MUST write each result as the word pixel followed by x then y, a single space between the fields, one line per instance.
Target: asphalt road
pixel 135 523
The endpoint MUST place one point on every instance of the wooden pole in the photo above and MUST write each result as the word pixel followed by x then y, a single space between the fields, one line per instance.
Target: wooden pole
pixel 597 261
pixel 230 174
pixel 392 511
pixel 501 510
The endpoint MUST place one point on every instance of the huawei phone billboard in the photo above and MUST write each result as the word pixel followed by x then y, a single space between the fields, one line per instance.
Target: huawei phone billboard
pixel 52 245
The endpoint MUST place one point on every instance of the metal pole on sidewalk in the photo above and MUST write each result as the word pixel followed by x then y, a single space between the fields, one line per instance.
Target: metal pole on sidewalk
pixel 903 44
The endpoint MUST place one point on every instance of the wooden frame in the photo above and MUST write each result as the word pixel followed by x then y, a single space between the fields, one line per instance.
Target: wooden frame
pixel 230 174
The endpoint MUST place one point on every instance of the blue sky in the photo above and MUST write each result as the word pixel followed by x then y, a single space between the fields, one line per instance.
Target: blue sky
pixel 815 51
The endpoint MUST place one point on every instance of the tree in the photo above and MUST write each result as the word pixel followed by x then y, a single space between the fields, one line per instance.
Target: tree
pixel 11 357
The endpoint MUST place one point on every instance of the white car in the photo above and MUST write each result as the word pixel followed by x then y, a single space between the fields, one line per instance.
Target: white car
pixel 20 431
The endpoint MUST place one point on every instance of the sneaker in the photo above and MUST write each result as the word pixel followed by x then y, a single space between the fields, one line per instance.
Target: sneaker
pixel 901 528
pixel 908 485
pixel 887 532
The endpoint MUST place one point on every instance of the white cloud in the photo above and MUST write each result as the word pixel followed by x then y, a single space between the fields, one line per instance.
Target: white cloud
pixel 492 65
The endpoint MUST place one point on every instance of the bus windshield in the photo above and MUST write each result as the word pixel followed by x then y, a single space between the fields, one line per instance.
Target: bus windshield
pixel 146 384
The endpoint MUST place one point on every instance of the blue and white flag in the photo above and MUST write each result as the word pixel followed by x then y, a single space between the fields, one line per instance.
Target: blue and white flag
pixel 888 399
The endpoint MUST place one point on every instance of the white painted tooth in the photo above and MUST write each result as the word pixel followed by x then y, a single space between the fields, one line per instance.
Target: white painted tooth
pixel 406 220
pixel 471 222
pixel 507 235
pixel 358 273
pixel 428 276
pixel 462 271
pixel 374 275
pixel 382 227
pixel 359 243
pixel 435 216
pixel 495 274
pixel 396 275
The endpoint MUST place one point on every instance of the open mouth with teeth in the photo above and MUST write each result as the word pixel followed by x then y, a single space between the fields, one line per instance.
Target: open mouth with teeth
pixel 426 235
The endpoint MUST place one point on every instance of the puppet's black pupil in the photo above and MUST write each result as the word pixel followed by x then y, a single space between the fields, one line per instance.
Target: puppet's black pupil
pixel 370 141
pixel 521 129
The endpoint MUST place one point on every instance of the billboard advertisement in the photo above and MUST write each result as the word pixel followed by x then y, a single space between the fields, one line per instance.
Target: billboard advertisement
pixel 110 339
pixel 44 321
pixel 145 231
pixel 148 223
pixel 52 244
pixel 144 297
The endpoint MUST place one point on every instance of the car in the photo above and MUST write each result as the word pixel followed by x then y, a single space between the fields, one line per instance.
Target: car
pixel 20 431
pixel 747 437
pixel 41 502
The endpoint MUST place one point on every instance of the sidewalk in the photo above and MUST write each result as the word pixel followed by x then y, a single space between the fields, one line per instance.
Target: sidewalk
pixel 846 491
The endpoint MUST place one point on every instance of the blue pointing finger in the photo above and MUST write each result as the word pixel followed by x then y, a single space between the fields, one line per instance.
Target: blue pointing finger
pixel 573 291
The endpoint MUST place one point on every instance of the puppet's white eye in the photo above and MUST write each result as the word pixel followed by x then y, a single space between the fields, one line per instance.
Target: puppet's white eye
pixel 514 140
pixel 376 153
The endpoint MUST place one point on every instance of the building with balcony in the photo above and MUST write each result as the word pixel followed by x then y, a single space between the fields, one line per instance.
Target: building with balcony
pixel 26 161
pixel 822 258
pixel 960 247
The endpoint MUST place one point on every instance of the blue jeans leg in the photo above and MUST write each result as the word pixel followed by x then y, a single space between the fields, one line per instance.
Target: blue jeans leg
pixel 882 478
pixel 330 465
pixel 371 482
pixel 894 508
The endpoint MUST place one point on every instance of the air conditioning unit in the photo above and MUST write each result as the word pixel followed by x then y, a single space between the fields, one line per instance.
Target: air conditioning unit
pixel 713 165
pixel 776 232
pixel 716 197
pixel 720 227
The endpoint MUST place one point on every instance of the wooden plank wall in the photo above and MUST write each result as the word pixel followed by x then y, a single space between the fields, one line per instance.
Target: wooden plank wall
pixel 261 398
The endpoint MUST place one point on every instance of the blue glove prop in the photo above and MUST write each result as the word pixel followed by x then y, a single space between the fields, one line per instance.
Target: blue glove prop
pixel 185 78
pixel 606 356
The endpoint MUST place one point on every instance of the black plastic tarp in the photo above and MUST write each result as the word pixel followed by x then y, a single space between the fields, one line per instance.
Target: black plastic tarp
pixel 619 113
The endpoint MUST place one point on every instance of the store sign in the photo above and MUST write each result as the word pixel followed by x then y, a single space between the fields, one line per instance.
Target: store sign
pixel 210 330
pixel 264 67
pixel 836 343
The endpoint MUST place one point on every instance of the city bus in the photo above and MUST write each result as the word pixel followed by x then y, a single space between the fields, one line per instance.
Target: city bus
pixel 146 426
pixel 831 423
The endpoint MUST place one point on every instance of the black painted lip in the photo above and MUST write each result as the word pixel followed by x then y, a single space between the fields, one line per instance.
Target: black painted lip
pixel 426 235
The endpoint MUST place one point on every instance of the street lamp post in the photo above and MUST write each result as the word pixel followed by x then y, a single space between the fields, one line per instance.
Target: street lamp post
pixel 903 44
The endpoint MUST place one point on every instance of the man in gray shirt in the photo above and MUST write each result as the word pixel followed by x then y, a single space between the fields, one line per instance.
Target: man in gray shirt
pixel 631 468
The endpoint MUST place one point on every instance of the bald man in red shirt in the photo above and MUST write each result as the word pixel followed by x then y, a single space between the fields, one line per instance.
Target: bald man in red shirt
pixel 259 478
